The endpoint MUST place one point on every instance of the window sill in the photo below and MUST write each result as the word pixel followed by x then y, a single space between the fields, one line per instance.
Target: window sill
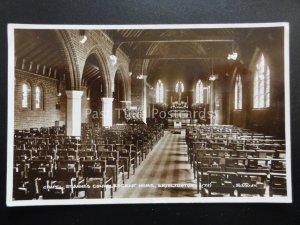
pixel 237 110
pixel 41 110
pixel 26 109
pixel 261 109
pixel 32 110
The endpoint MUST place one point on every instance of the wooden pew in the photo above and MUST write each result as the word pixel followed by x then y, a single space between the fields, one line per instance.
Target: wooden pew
pixel 113 162
pixel 64 180
pixel 87 155
pixel 40 168
pixel 278 165
pixel 263 153
pixel 277 184
pixel 202 178
pixel 23 188
pixel 251 183
pixel 259 165
pixel 96 169
pixel 127 157
pixel 64 154
pixel 221 182
pixel 235 164
pixel 245 153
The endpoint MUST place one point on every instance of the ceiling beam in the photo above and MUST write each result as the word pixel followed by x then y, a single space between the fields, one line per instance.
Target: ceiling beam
pixel 136 41
pixel 174 40
pixel 157 57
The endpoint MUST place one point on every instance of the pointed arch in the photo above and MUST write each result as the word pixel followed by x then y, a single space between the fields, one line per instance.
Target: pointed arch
pixel 179 87
pixel 199 93
pixel 39 97
pixel 238 93
pixel 26 95
pixel 102 63
pixel 261 87
pixel 71 61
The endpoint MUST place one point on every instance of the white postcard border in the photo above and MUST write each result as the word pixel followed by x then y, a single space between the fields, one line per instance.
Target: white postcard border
pixel 162 200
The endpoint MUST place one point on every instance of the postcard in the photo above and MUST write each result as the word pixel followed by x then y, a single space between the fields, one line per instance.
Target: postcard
pixel 131 114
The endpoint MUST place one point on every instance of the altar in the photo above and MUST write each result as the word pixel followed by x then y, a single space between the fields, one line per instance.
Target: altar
pixel 179 115
pixel 177 124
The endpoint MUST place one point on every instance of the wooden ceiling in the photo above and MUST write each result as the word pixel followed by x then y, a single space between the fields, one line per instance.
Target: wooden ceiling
pixel 39 47
pixel 91 71
pixel 195 49
pixel 190 51
pixel 201 42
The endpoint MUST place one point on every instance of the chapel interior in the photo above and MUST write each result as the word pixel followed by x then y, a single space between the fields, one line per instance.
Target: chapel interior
pixel 144 113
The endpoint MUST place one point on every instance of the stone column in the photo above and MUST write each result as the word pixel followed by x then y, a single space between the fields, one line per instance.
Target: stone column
pixel 212 103
pixel 145 99
pixel 107 112
pixel 73 121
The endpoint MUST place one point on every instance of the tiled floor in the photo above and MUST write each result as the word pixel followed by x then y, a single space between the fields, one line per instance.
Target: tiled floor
pixel 160 175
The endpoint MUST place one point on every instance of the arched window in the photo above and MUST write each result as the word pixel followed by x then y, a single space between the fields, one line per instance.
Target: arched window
pixel 26 95
pixel 238 93
pixel 179 88
pixel 38 97
pixel 159 92
pixel 199 92
pixel 261 97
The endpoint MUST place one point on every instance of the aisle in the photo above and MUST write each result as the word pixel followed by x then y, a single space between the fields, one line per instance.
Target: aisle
pixel 164 168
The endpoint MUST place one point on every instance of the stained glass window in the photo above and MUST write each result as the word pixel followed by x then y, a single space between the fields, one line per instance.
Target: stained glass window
pixel 26 96
pixel 38 97
pixel 238 101
pixel 159 92
pixel 261 96
pixel 199 92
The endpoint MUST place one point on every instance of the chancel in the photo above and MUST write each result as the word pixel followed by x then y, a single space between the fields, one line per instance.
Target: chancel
pixel 142 113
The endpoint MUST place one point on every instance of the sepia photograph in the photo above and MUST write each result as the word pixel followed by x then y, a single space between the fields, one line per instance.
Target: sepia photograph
pixel 121 114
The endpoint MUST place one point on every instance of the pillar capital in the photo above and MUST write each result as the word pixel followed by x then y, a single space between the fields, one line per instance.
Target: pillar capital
pixel 107 99
pixel 72 94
